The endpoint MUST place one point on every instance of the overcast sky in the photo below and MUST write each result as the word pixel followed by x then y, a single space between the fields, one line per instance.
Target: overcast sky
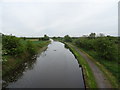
pixel 58 17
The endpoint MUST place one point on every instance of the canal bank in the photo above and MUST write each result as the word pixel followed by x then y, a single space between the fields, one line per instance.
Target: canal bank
pixel 97 69
pixel 12 64
pixel 89 78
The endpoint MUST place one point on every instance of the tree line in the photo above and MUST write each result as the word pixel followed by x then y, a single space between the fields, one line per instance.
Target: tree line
pixel 106 47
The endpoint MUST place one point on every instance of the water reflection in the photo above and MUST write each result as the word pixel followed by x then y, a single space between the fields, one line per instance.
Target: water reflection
pixel 13 77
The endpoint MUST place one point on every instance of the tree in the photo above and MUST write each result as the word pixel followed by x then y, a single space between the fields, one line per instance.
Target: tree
pixel 46 37
pixel 106 49
pixel 101 35
pixel 67 38
pixel 54 37
pixel 92 35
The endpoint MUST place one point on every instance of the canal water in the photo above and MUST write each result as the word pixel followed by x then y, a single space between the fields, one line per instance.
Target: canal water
pixel 56 67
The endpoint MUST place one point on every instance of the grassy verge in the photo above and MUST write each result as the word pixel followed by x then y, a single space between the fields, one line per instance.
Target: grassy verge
pixel 109 68
pixel 11 63
pixel 89 77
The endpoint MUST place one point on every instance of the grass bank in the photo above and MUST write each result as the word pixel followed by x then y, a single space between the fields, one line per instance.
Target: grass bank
pixel 29 49
pixel 88 75
pixel 110 68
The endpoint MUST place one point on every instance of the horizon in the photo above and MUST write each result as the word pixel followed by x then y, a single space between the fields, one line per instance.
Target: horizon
pixel 97 35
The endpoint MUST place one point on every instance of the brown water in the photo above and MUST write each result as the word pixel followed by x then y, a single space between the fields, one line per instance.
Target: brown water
pixel 54 68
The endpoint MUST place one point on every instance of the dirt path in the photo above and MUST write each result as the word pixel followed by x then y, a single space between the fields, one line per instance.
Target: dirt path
pixel 100 78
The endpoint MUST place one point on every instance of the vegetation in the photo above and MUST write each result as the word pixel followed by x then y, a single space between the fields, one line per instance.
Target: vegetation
pixel 46 37
pixel 92 35
pixel 107 73
pixel 11 45
pixel 17 51
pixel 58 39
pixel 104 49
pixel 67 38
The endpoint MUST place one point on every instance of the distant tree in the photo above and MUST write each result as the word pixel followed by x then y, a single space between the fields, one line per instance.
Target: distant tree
pixel 54 37
pixel 85 36
pixel 101 35
pixel 92 35
pixel 46 37
pixel 67 38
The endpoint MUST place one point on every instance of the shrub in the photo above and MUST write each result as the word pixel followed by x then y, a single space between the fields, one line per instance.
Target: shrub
pixel 67 38
pixel 11 45
pixel 77 42
pixel 85 43
pixel 103 46
pixel 106 49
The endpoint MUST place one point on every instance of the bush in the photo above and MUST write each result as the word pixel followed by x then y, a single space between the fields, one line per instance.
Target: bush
pixel 67 38
pixel 11 45
pixel 85 43
pixel 77 42
pixel 103 46
pixel 106 49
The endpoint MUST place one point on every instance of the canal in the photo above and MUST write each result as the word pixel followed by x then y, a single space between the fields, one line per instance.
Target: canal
pixel 56 67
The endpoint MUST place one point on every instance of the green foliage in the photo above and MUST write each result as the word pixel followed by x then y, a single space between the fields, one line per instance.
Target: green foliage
pixel 54 37
pixel 11 45
pixel 58 39
pixel 110 65
pixel 15 46
pixel 26 48
pixel 31 48
pixel 106 51
pixel 46 37
pixel 85 43
pixel 67 38
pixel 24 38
pixel 105 47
